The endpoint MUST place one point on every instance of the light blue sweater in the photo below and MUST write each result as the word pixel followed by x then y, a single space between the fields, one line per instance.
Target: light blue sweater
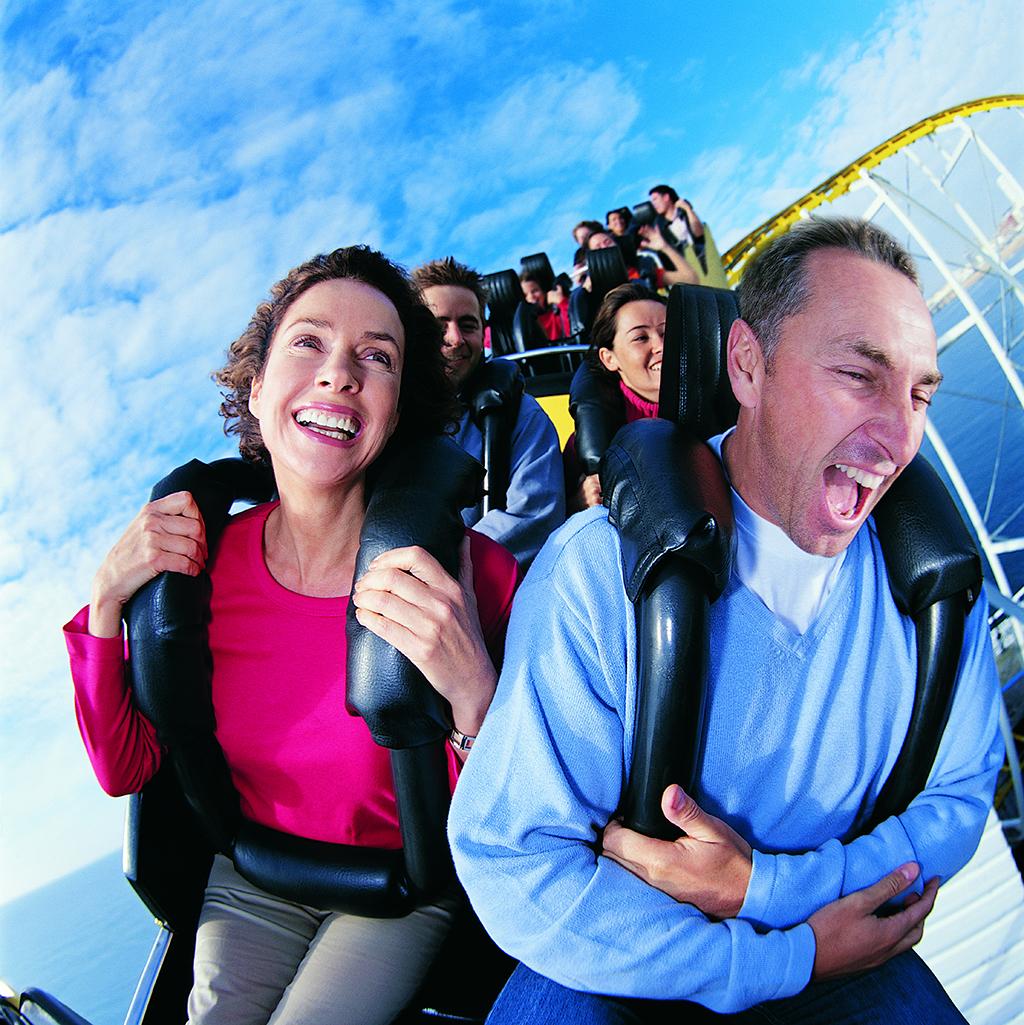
pixel 802 731
pixel 536 491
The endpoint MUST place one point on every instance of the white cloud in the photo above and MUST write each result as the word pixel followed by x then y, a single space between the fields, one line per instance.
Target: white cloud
pixel 904 70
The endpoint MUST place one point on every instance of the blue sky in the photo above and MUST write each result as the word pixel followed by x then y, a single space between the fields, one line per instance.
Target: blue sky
pixel 164 164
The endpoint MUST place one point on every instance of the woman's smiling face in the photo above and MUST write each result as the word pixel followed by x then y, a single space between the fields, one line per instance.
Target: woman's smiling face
pixel 636 349
pixel 327 397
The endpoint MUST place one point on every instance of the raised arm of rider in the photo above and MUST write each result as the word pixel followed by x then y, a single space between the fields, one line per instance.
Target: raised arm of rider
pixel 683 273
pixel 696 225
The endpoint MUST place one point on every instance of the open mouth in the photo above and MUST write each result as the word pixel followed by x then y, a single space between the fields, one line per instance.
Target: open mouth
pixel 848 489
pixel 655 368
pixel 331 425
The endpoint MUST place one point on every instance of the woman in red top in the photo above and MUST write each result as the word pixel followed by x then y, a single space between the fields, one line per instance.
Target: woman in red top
pixel 343 360
pixel 625 347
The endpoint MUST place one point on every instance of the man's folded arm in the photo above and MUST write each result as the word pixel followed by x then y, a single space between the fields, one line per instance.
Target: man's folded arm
pixel 941 828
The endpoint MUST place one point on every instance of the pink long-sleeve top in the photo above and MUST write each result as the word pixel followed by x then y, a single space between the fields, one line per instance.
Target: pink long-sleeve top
pixel 300 762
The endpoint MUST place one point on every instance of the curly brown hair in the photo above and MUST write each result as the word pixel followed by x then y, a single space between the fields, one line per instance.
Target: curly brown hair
pixel 426 400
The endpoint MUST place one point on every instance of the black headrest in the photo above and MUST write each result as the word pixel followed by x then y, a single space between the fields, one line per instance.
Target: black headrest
pixel 538 266
pixel 504 294
pixel 597 409
pixel 695 389
pixel 607 269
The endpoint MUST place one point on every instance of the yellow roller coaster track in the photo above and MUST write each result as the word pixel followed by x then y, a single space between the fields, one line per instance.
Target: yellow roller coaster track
pixel 832 188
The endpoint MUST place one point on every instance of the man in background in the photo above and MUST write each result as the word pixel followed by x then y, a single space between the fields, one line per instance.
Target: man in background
pixel 676 220
pixel 535 503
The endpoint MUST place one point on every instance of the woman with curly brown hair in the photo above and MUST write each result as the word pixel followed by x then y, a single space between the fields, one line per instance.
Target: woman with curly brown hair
pixel 343 361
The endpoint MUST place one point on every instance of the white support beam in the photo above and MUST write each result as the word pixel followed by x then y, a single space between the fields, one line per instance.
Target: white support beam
pixel 977 521
pixel 998 352
pixel 984 243
pixel 1007 182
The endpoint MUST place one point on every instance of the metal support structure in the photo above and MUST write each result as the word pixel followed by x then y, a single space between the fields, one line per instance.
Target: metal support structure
pixel 989 549
pixel 983 242
pixel 842 181
pixel 1009 370
pixel 1015 194
pixel 147 980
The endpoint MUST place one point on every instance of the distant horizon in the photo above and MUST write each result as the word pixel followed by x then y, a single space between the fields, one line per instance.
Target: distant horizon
pixel 164 167
pixel 57 880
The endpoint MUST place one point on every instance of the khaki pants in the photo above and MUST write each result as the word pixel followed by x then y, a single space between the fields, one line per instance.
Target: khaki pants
pixel 263 959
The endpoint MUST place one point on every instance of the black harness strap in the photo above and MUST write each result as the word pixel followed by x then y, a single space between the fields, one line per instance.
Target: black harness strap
pixel 598 410
pixel 416 500
pixel 935 578
pixel 671 505
pixel 494 394
pixel 168 640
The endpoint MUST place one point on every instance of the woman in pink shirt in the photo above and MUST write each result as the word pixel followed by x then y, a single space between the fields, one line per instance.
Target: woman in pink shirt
pixel 625 348
pixel 343 359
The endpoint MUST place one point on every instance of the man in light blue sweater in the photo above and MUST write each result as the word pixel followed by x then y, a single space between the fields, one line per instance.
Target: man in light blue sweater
pixel 535 500
pixel 765 909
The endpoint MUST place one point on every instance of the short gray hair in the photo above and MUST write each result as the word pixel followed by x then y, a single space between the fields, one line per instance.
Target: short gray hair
pixel 776 284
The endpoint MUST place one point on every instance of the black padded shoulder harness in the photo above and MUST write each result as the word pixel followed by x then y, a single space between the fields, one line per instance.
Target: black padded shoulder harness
pixel 668 498
pixel 598 410
pixel 415 499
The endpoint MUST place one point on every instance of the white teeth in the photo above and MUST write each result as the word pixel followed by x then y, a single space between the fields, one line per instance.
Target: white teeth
pixel 862 477
pixel 316 418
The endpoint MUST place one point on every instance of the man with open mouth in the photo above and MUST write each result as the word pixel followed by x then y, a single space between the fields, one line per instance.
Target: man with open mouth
pixel 765 908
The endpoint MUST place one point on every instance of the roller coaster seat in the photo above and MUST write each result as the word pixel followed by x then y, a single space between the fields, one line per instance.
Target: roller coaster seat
pixel 676 554
pixel 189 810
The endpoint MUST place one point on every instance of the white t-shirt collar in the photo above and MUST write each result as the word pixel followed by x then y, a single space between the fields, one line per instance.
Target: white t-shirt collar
pixel 792 583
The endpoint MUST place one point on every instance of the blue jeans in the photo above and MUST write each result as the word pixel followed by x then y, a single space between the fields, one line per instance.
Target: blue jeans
pixel 901 992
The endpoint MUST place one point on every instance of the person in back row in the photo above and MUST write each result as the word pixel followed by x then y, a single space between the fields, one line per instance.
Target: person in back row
pixel 620 221
pixel 657 277
pixel 536 499
pixel 676 220
pixel 766 904
pixel 626 342
pixel 553 322
pixel 584 230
